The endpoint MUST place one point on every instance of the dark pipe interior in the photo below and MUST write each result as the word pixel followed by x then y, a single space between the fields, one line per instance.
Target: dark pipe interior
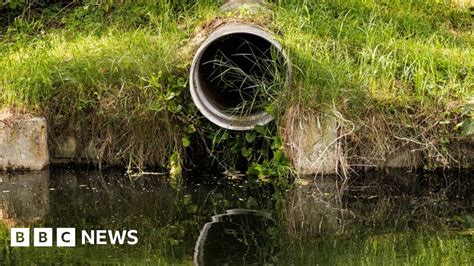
pixel 233 46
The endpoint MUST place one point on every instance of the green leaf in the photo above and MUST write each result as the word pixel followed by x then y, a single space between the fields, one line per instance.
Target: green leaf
pixel 186 142
pixel 187 199
pixel 255 170
pixel 260 129
pixel 278 157
pixel 269 109
pixel 169 96
pixel 246 152
pixel 250 137
pixel 156 106
pixel 174 108
pixel 468 108
pixel 225 136
pixel 467 127
pixel 277 143
pixel 190 129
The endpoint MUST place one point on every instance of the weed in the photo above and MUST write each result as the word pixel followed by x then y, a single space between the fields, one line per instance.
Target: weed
pixel 255 76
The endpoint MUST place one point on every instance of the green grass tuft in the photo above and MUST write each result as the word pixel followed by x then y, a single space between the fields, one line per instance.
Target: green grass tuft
pixel 114 73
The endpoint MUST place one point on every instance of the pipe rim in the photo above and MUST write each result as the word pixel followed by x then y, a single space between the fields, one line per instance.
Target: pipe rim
pixel 206 107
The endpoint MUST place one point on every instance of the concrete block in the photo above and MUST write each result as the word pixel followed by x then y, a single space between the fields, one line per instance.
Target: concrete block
pixel 23 142
pixel 311 141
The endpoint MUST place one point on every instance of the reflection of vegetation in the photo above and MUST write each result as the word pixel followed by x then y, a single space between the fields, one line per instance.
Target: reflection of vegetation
pixel 396 224
pixel 168 220
pixel 412 201
pixel 388 249
pixel 382 215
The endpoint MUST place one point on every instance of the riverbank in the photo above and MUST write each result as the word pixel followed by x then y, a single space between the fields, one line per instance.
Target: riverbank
pixel 112 79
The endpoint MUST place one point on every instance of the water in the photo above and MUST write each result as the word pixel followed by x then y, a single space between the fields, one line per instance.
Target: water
pixel 398 218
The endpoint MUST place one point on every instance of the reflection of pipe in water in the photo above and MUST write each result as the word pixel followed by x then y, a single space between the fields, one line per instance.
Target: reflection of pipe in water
pixel 238 236
pixel 24 198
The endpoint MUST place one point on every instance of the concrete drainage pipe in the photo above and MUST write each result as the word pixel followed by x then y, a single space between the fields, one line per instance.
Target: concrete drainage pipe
pixel 236 74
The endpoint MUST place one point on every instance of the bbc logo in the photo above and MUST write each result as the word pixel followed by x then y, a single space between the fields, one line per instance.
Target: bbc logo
pixel 43 237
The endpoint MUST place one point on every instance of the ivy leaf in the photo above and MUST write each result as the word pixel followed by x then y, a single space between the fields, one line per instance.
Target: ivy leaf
pixel 246 152
pixel 260 130
pixel 250 137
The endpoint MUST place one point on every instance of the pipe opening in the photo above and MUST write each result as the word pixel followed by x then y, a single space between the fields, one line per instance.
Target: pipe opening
pixel 236 75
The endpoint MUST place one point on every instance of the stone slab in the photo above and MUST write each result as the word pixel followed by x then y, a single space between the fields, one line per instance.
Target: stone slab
pixel 23 142
pixel 311 142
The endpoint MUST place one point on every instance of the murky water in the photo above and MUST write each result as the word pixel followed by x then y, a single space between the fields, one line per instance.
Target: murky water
pixel 397 218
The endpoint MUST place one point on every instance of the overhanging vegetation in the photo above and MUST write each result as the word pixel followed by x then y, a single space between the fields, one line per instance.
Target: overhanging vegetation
pixel 114 74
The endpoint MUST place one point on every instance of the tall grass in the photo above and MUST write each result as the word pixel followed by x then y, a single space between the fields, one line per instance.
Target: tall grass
pixel 399 71
pixel 402 51
pixel 115 74
pixel 114 84
pixel 256 87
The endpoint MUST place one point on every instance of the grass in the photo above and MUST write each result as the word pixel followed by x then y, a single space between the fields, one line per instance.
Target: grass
pixel 115 75
pixel 255 87
pixel 405 52
pixel 114 87
pixel 396 70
